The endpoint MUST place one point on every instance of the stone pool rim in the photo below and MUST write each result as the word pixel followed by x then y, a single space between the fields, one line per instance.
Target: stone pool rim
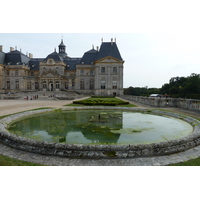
pixel 100 150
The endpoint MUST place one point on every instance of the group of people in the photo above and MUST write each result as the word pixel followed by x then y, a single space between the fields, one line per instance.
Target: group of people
pixel 31 97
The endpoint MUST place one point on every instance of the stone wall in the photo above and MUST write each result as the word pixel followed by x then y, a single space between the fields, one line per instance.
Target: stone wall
pixel 100 151
pixel 189 104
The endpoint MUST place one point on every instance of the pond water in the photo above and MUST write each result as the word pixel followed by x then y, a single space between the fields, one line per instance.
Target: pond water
pixel 101 127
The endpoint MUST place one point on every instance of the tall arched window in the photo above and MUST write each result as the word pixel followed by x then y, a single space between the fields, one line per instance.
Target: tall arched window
pixel 57 85
pixel 44 85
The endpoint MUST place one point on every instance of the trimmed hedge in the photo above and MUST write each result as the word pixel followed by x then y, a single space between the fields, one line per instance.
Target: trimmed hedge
pixel 102 97
pixel 90 102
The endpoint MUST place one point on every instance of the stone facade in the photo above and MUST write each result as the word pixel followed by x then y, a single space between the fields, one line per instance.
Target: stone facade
pixel 98 72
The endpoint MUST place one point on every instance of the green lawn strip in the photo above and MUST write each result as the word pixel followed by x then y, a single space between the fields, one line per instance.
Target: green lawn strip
pixel 6 161
pixel 192 162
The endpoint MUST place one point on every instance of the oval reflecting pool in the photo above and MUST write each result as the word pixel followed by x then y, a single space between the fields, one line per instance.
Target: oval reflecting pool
pixel 101 127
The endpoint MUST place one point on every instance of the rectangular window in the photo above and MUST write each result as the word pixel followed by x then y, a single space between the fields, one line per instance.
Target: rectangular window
pixel 82 86
pixel 66 85
pixel 73 83
pixel 29 85
pixel 114 70
pixel 91 84
pixel 114 85
pixel 8 72
pixel 82 71
pixel 16 72
pixel 17 84
pixel 103 70
pixel 103 85
pixel 91 72
pixel 37 85
pixel 8 85
pixel 32 73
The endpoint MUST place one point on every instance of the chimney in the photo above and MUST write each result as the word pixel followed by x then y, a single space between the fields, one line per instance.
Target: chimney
pixel 11 49
pixel 111 41
pixel 97 48
pixel 1 47
pixel 30 55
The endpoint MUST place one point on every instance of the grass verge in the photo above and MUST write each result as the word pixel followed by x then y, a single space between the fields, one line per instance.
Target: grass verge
pixel 6 161
pixel 192 162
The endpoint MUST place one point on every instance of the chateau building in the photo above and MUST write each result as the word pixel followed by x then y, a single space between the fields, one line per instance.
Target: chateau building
pixel 97 72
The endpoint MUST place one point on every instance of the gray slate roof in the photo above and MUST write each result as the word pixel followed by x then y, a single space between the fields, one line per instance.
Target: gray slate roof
pixel 34 63
pixel 106 49
pixel 2 56
pixel 55 56
pixel 89 56
pixel 109 49
pixel 16 57
pixel 71 63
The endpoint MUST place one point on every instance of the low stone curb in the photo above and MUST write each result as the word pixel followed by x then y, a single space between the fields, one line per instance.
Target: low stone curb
pixel 100 151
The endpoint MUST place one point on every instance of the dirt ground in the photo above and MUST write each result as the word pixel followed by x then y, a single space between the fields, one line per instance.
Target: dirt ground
pixel 13 106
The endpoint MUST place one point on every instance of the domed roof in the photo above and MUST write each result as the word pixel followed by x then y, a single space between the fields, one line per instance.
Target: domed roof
pixel 89 56
pixel 54 56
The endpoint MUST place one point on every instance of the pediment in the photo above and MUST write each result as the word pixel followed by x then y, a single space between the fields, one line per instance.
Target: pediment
pixel 50 73
pixel 108 59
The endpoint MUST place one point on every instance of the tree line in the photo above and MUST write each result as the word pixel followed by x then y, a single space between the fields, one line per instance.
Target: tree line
pixel 183 87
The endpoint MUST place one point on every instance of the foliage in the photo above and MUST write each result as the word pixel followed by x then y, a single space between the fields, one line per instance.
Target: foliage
pixel 184 87
pixel 141 91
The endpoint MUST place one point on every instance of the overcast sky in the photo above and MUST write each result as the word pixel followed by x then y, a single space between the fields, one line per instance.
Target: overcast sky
pixel 152 36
